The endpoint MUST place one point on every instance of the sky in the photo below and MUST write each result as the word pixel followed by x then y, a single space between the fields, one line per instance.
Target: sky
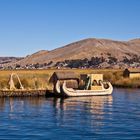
pixel 27 26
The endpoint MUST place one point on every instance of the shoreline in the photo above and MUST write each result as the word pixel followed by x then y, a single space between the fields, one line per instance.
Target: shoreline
pixel 125 87
pixel 40 93
pixel 37 82
pixel 24 93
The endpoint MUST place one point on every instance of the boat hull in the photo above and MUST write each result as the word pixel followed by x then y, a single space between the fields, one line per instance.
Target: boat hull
pixel 57 88
pixel 73 93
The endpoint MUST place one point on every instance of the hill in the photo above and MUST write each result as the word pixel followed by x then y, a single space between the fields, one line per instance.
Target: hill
pixel 4 60
pixel 113 53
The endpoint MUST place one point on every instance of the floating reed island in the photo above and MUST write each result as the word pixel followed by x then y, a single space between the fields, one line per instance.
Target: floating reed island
pixel 18 89
pixel 43 82
pixel 19 93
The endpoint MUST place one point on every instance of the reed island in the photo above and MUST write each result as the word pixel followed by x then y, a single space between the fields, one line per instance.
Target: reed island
pixel 41 82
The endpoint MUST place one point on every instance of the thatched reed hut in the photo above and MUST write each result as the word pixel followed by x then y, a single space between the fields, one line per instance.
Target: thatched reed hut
pixel 72 79
pixel 131 74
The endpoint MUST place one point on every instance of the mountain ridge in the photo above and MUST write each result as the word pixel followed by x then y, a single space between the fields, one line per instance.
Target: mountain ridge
pixel 86 48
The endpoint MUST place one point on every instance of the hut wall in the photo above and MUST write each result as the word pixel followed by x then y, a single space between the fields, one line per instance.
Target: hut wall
pixel 72 79
pixel 96 77
pixel 96 88
pixel 134 75
pixel 70 83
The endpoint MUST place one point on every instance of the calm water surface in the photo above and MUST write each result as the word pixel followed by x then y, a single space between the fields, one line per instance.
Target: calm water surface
pixel 106 117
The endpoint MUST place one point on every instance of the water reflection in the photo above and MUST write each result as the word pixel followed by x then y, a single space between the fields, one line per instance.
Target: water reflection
pixel 19 104
pixel 79 117
pixel 89 108
pixel 94 104
pixel 2 104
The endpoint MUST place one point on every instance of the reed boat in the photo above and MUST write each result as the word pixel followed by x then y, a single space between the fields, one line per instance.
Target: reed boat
pixel 72 92
pixel 57 88
pixel 94 86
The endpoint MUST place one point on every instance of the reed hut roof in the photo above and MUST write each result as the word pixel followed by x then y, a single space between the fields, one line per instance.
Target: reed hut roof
pixel 132 70
pixel 65 75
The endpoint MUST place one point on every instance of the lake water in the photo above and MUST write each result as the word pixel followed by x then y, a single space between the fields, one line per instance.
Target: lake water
pixel 107 117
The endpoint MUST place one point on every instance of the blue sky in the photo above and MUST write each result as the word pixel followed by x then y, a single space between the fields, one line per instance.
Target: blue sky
pixel 27 26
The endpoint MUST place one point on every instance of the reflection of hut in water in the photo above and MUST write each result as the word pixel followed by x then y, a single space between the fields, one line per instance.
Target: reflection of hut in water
pixel 94 105
pixel 72 79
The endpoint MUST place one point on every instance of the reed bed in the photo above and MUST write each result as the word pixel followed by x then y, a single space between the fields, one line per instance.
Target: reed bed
pixel 39 79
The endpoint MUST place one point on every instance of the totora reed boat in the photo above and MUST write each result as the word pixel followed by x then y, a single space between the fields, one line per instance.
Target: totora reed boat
pixel 93 87
pixel 72 92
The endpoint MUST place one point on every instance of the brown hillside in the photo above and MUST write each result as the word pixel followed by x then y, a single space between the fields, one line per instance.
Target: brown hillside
pixel 86 49
pixel 5 60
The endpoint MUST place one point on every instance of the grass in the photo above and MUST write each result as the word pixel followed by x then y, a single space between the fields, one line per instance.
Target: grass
pixel 39 79
pixel 29 79
pixel 130 83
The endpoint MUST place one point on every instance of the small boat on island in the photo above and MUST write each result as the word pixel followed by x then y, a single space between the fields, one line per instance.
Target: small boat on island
pixel 95 86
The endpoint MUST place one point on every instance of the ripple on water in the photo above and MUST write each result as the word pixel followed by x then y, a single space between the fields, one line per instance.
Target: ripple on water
pixel 105 117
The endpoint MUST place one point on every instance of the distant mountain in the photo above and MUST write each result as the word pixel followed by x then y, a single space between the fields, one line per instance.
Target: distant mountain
pixel 5 60
pixel 112 53
pixel 37 57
